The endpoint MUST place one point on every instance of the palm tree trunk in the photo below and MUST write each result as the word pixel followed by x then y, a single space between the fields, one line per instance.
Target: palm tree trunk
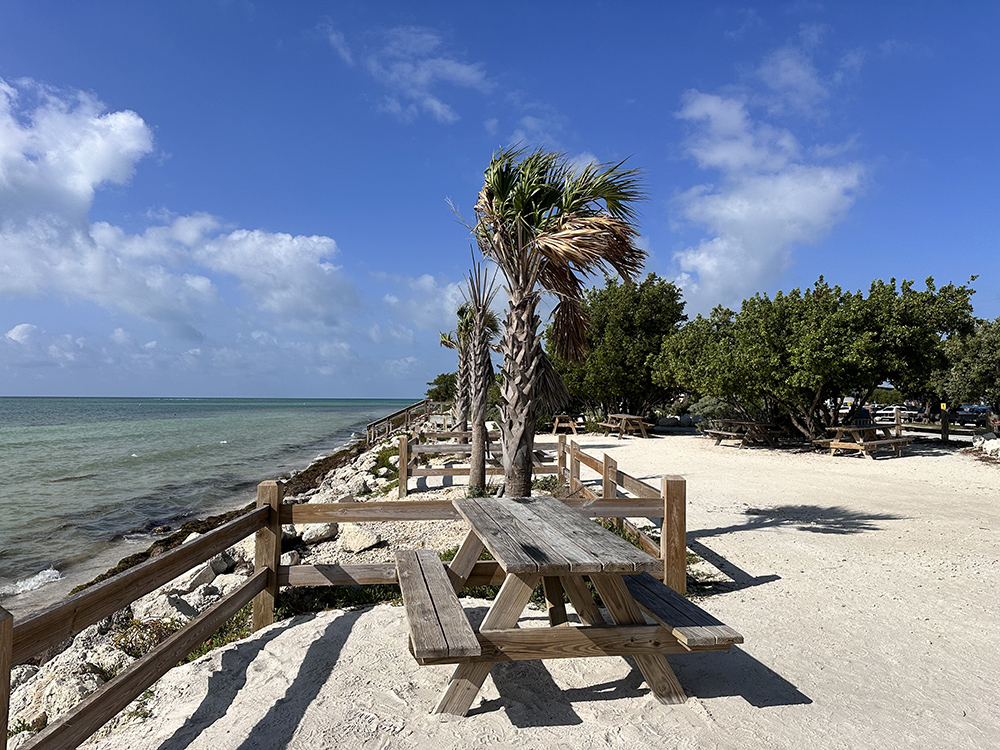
pixel 522 347
pixel 481 371
pixel 462 391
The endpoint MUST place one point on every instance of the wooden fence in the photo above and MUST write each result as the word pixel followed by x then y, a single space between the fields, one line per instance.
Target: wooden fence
pixel 410 452
pixel 671 493
pixel 22 640
pixel 404 419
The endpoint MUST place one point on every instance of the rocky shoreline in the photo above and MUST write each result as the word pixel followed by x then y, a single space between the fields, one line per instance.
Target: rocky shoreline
pixel 58 680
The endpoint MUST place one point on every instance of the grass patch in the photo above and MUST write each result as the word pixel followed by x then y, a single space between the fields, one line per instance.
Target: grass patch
pixel 19 726
pixel 236 628
pixel 382 461
pixel 140 637
pixel 141 710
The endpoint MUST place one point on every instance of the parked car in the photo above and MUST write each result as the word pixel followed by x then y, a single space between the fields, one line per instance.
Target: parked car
pixel 972 414
pixel 888 413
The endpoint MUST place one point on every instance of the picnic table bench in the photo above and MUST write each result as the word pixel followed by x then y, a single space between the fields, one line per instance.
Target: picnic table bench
pixel 622 423
pixel 543 540
pixel 864 439
pixel 745 431
pixel 564 420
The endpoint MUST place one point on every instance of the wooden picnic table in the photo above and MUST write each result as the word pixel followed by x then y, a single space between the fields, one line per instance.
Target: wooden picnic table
pixel 865 439
pixel 745 431
pixel 622 423
pixel 564 420
pixel 542 539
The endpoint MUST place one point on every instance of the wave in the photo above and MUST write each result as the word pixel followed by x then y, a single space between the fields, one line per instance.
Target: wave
pixel 31 582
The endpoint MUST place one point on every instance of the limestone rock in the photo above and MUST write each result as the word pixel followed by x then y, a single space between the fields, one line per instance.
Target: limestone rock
pixel 228 583
pixel 21 674
pixel 163 607
pixel 222 563
pixel 355 538
pixel 288 531
pixel 203 597
pixel 290 558
pixel 318 532
pixel 358 485
pixel 188 582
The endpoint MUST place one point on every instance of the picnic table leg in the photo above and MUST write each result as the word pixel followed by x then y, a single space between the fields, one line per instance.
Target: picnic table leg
pixel 554 605
pixel 465 560
pixel 469 677
pixel 659 676
pixel 582 601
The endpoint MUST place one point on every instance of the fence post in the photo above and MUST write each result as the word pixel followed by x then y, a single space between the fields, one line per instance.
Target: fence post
pixel 673 533
pixel 6 657
pixel 561 454
pixel 574 466
pixel 899 422
pixel 267 553
pixel 403 471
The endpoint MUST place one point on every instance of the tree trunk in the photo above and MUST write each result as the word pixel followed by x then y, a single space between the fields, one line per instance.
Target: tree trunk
pixel 522 348
pixel 481 376
pixel 462 391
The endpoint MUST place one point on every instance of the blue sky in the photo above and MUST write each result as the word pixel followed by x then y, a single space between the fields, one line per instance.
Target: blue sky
pixel 225 198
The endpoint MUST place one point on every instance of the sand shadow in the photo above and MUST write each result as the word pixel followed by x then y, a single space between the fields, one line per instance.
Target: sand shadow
pixel 276 728
pixel 817 519
pixel 717 674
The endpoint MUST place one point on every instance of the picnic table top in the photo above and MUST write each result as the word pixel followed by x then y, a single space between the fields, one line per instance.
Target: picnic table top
pixel 744 423
pixel 858 428
pixel 624 416
pixel 542 535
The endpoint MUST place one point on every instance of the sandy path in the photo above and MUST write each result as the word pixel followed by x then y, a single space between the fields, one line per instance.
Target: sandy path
pixel 865 591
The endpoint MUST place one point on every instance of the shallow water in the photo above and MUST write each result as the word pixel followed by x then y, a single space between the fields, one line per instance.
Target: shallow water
pixel 88 478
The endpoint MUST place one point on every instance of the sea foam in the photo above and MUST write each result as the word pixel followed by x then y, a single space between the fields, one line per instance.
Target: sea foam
pixel 31 582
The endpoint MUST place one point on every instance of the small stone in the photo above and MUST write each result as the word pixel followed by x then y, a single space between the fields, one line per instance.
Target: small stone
pixel 288 531
pixel 290 558
pixel 21 674
pixel 159 529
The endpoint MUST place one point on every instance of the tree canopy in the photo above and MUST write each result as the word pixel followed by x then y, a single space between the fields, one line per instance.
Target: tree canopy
pixel 974 374
pixel 799 355
pixel 626 326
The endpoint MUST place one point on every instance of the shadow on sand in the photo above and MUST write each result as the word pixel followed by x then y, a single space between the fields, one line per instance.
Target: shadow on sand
pixel 275 729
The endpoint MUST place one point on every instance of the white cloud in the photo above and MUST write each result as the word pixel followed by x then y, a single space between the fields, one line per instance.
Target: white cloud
pixel 57 149
pixel 338 41
pixel 769 199
pixel 400 368
pixel 21 333
pixel 412 66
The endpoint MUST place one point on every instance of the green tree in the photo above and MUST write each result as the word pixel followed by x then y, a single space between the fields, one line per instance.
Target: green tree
pixel 974 374
pixel 799 355
pixel 483 327
pixel 442 388
pixel 626 326
pixel 546 224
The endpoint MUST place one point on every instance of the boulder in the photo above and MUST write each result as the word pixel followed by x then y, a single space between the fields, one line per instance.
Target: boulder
pixel 222 563
pixel 21 674
pixel 290 558
pixel 203 597
pixel 163 607
pixel 358 485
pixel 188 582
pixel 355 538
pixel 318 532
pixel 228 583
pixel 288 531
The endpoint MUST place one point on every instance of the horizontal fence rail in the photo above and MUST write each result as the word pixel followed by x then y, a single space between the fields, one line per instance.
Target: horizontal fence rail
pixel 404 419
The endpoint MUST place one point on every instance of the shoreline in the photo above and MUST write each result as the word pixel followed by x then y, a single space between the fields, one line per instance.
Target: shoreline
pixel 110 561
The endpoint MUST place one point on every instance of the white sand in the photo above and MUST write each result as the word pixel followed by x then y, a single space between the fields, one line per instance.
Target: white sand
pixel 865 591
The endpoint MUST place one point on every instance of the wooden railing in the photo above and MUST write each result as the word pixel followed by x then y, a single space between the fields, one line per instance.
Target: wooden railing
pixel 672 492
pixel 410 452
pixel 24 639
pixel 405 418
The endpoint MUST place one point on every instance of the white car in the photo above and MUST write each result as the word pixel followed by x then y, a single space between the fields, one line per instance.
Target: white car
pixel 888 413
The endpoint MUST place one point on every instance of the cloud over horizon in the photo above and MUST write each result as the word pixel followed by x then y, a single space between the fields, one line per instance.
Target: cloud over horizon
pixel 772 194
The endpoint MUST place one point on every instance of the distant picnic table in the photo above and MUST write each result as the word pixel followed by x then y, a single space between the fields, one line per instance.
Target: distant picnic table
pixel 865 439
pixel 745 431
pixel 564 420
pixel 622 423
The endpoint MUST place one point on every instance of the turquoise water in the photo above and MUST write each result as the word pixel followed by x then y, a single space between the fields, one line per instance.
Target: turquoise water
pixel 85 478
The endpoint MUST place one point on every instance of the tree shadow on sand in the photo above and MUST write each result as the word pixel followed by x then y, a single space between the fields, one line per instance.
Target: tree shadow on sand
pixel 276 728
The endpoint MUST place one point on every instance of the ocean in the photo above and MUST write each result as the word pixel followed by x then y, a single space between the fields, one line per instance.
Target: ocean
pixel 87 479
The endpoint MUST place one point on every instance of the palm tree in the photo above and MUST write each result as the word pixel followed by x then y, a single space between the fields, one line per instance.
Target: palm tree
pixel 545 224
pixel 459 341
pixel 484 327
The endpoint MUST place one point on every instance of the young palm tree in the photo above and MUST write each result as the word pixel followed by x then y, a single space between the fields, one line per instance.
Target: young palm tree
pixel 546 224
pixel 460 343
pixel 484 327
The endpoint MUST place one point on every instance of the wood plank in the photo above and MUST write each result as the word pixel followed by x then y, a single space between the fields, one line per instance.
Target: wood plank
pixel 100 706
pixel 426 636
pixel 662 681
pixel 692 625
pixel 337 575
pixel 468 678
pixel 463 471
pixel 267 553
pixel 538 524
pixel 438 624
pixel 555 607
pixel 55 624
pixel 526 644
pixel 6 651
pixel 391 510
pixel 512 556
pixel 465 559
pixel 673 532
pixel 613 552
pixel 636 486
pixel 582 600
